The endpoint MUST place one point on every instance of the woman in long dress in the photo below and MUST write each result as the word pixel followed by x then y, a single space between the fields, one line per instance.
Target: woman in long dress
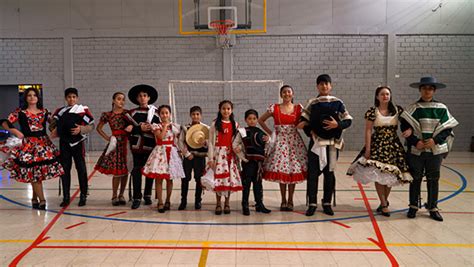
pixel 382 160
pixel 286 161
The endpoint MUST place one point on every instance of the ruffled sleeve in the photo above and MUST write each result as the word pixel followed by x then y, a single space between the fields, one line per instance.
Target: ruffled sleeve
pixel 104 118
pixel 271 109
pixel 370 114
pixel 13 117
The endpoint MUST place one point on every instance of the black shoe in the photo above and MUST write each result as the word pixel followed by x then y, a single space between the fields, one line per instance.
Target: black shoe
pixel 218 210
pixel 246 211
pixel 167 206
pixel 436 216
pixel 197 205
pixel 226 209
pixel 161 208
pixel 411 213
pixel 82 200
pixel 385 213
pixel 328 210
pixel 182 205
pixel 147 201
pixel 261 208
pixel 122 201
pixel 35 205
pixel 65 202
pixel 115 201
pixel 311 210
pixel 136 204
pixel 380 207
pixel 42 205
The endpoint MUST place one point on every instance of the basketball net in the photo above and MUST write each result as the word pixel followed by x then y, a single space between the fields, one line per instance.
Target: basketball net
pixel 222 28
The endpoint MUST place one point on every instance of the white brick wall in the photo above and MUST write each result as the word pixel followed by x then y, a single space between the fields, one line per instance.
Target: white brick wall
pixel 355 63
pixel 450 58
pixel 103 66
pixel 34 61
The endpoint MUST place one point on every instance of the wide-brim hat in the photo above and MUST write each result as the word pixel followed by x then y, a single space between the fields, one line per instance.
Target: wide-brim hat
pixel 151 91
pixel 196 134
pixel 428 81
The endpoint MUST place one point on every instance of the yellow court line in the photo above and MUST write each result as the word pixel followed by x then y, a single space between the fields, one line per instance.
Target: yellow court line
pixel 208 243
pixel 445 181
pixel 204 253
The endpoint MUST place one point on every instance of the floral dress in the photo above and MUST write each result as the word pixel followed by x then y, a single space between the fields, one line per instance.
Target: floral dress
pixel 37 158
pixel 387 164
pixel 286 160
pixel 164 161
pixel 226 177
pixel 115 163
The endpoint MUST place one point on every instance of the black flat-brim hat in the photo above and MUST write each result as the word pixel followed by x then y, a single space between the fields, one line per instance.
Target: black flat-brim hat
pixel 151 92
pixel 428 81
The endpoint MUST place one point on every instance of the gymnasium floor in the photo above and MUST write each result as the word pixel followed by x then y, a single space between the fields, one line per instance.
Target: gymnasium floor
pixel 102 235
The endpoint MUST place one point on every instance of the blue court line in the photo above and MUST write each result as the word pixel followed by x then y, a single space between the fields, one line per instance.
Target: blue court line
pixel 457 192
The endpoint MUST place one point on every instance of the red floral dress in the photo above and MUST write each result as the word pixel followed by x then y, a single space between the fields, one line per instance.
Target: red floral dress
pixel 286 160
pixel 37 158
pixel 115 163
pixel 164 161
pixel 226 176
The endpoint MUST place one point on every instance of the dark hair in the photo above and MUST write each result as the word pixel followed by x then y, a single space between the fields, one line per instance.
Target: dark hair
pixel 323 78
pixel 286 86
pixel 195 109
pixel 162 107
pixel 251 112
pixel 115 95
pixel 391 107
pixel 39 104
pixel 231 118
pixel 71 90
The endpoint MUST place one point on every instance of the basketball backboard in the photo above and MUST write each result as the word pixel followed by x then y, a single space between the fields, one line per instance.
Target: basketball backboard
pixel 195 16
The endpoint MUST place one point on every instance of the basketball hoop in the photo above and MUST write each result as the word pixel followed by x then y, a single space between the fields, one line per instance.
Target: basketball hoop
pixel 222 28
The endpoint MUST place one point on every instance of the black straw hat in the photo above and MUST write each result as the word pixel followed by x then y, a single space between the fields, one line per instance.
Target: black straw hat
pixel 151 91
pixel 428 81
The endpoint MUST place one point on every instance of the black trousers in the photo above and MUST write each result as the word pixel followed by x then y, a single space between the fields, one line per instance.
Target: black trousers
pixel 313 179
pixel 427 165
pixel 139 160
pixel 197 164
pixel 67 154
pixel 249 176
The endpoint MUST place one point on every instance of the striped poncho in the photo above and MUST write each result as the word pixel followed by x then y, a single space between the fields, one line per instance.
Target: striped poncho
pixel 428 120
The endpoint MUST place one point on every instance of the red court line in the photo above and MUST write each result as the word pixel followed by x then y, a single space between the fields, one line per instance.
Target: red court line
pixel 364 186
pixel 215 248
pixel 42 236
pixel 380 241
pixel 74 225
pixel 369 198
pixel 341 224
pixel 117 213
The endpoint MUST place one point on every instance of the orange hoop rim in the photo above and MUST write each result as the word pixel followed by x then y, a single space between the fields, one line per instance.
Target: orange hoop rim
pixel 222 26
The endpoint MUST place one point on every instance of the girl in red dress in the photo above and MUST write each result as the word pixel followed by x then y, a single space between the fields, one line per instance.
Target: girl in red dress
pixel 221 157
pixel 286 161
pixel 36 159
pixel 115 162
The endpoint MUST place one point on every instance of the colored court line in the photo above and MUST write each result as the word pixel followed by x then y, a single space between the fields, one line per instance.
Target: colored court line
pixel 74 225
pixel 455 193
pixel 204 254
pixel 215 248
pixel 42 236
pixel 218 242
pixel 114 214
pixel 341 224
pixel 380 240
pixel 369 198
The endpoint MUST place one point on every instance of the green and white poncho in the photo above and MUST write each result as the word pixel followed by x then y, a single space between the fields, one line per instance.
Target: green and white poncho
pixel 428 119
